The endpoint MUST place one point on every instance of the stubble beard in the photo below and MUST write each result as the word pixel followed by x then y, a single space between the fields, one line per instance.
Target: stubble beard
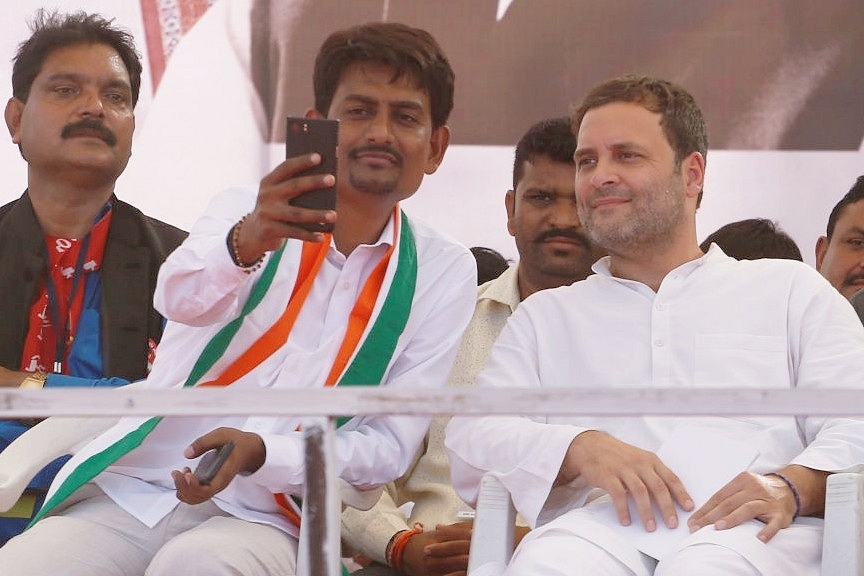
pixel 649 225
pixel 371 185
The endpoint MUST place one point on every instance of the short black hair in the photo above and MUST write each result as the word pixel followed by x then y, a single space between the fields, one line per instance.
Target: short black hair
pixel 753 239
pixel 403 49
pixel 552 138
pixel 53 30
pixel 490 263
pixel 855 194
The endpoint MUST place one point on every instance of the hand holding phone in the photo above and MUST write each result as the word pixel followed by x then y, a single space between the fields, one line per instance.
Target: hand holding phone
pixel 321 135
pixel 212 462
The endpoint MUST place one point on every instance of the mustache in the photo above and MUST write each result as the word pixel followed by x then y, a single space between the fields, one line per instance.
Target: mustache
pixel 89 126
pixel 377 148
pixel 571 233
pixel 599 194
pixel 852 278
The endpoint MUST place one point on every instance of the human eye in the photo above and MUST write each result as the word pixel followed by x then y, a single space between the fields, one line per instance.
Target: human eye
pixel 856 242
pixel 585 162
pixel 409 118
pixel 117 97
pixel 358 112
pixel 540 197
pixel 628 155
pixel 64 90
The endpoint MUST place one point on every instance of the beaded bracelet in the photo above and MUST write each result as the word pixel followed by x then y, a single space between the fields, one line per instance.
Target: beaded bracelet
pixel 396 546
pixel 233 242
pixel 792 487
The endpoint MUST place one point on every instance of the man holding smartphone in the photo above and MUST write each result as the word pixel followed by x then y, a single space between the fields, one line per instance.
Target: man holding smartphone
pixel 383 301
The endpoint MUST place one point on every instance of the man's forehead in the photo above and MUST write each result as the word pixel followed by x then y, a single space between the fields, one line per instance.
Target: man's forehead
pixel 72 60
pixel 618 125
pixel 851 216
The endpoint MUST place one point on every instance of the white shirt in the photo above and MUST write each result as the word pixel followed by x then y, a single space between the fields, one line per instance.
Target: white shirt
pixel 714 323
pixel 200 290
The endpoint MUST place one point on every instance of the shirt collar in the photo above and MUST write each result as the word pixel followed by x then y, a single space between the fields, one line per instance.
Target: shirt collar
pixel 504 289
pixel 601 267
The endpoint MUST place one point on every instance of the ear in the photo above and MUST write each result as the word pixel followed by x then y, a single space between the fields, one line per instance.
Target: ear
pixel 510 205
pixel 693 171
pixel 14 110
pixel 821 249
pixel 438 144
pixel 312 113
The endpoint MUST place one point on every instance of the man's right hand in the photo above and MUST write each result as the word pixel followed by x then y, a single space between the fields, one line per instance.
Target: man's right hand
pixel 441 552
pixel 626 472
pixel 274 219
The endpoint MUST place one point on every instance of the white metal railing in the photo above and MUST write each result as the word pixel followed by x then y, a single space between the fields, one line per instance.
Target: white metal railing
pixel 318 407
pixel 15 403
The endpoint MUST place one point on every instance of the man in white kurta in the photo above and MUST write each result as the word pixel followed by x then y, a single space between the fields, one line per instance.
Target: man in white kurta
pixel 404 290
pixel 659 313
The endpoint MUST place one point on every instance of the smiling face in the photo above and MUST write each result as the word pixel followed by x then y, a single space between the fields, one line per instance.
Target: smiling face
pixel 840 259
pixel 631 194
pixel 541 216
pixel 386 139
pixel 78 115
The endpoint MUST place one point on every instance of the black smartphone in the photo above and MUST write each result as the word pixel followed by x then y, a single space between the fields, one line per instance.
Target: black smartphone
pixel 211 462
pixel 321 135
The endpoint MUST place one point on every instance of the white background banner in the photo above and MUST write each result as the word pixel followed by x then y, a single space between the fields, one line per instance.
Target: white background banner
pixel 780 81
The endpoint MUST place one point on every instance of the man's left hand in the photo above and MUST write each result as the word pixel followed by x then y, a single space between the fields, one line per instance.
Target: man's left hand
pixel 248 455
pixel 763 497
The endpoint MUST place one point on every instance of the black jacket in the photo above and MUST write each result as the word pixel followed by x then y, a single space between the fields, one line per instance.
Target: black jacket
pixel 136 247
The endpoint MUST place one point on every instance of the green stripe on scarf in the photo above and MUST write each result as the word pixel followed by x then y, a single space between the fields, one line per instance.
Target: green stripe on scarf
pixel 214 349
pixel 375 353
pixel 367 367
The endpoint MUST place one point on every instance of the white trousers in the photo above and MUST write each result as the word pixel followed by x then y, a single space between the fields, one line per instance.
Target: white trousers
pixel 575 545
pixel 92 536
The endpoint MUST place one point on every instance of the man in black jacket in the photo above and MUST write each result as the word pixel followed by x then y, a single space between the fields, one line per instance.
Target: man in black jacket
pixel 77 265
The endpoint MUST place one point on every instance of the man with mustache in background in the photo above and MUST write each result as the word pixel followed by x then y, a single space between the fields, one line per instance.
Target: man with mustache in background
pixel 77 266
pixel 840 253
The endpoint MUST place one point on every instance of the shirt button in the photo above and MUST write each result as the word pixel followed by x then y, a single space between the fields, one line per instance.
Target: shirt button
pixel 660 307
pixel 346 285
pixel 658 343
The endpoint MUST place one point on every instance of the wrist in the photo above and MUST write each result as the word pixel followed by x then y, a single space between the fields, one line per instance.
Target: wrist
pixel 794 489
pixel 233 243
pixel 395 551
pixel 34 381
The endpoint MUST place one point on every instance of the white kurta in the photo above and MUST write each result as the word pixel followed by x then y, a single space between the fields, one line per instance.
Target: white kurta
pixel 200 290
pixel 713 323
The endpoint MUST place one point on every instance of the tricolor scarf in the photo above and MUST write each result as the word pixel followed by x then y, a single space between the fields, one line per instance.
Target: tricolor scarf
pixel 367 358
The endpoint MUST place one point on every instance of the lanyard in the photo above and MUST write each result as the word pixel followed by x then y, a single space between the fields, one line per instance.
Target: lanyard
pixel 64 337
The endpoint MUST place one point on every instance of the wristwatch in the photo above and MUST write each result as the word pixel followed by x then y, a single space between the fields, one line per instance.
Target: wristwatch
pixel 35 380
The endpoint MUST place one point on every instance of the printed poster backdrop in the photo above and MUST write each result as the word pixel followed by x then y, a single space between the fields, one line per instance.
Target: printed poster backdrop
pixel 780 82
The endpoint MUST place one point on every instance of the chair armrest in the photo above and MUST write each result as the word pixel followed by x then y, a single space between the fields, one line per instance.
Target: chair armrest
pixel 41 444
pixel 843 538
pixel 492 535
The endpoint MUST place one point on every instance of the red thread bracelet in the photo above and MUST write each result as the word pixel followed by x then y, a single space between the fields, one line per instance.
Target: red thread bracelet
pixel 396 547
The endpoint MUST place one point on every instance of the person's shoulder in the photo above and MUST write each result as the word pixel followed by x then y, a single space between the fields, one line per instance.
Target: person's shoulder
pixel 432 243
pixel 10 206
pixel 772 268
pixel 167 233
